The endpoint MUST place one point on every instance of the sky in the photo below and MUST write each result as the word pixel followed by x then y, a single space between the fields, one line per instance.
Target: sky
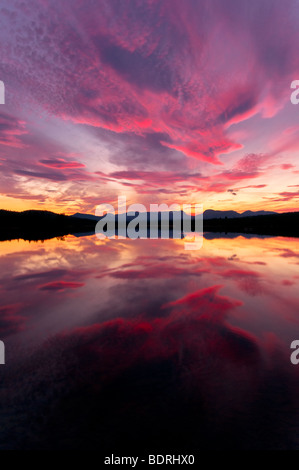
pixel 159 101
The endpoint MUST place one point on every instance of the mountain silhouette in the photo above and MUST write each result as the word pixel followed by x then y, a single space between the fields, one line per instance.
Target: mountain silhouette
pixel 42 225
pixel 211 214
pixel 208 214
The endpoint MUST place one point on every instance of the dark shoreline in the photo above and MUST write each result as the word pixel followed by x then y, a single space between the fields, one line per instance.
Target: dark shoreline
pixel 43 225
pixel 285 225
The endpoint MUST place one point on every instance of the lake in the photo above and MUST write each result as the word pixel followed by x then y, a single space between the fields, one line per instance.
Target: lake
pixel 125 344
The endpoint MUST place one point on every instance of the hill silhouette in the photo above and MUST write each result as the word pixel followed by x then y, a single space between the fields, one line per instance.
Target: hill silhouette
pixel 208 214
pixel 41 225
pixel 286 224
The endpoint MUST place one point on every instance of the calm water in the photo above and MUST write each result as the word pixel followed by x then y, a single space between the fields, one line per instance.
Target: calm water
pixel 121 344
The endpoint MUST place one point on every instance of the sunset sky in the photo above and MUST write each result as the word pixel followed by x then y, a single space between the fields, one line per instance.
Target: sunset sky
pixel 162 101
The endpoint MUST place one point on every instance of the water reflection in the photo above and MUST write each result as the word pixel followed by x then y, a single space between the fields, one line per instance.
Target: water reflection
pixel 119 341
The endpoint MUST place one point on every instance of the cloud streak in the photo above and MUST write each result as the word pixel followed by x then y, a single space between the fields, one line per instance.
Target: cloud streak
pixel 146 87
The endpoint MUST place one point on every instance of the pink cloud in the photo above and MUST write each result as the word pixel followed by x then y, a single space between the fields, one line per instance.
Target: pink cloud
pixel 137 76
pixel 11 131
pixel 148 88
pixel 62 285
pixel 10 320
pixel 62 164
